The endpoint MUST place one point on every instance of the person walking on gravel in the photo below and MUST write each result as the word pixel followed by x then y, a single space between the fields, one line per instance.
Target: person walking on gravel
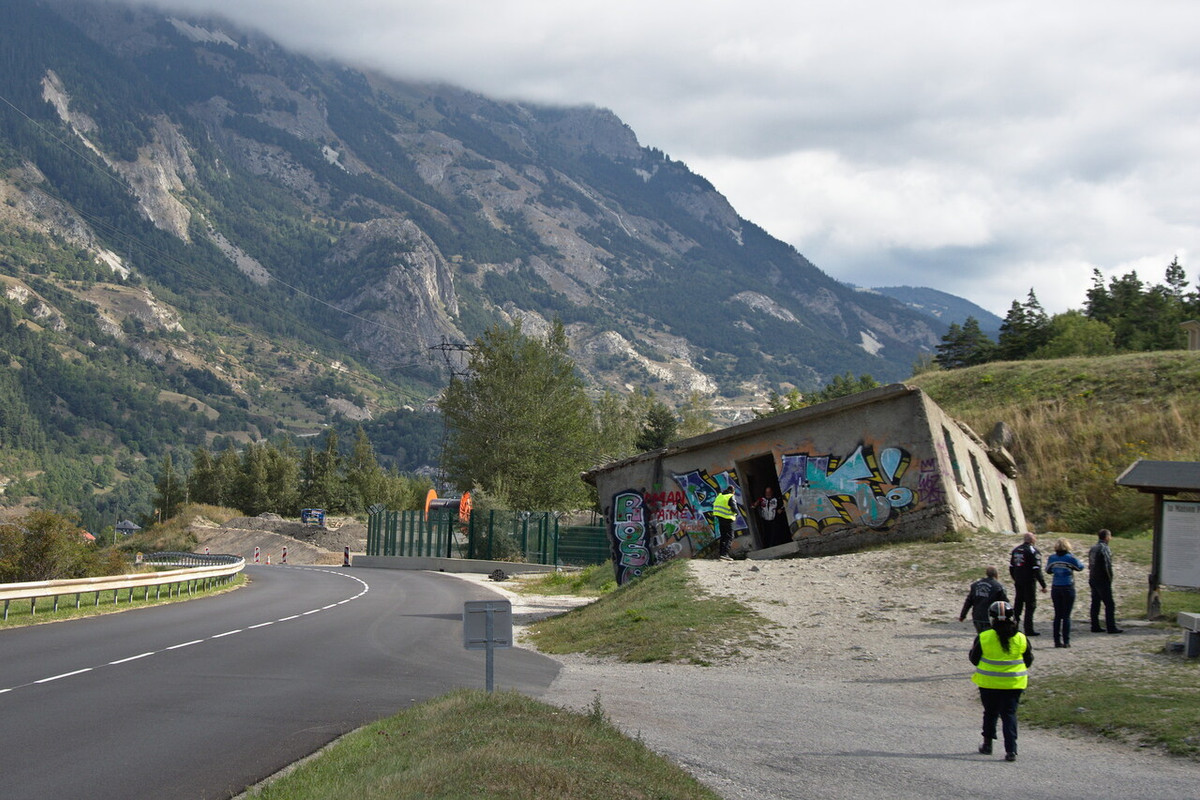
pixel 1025 567
pixel 980 597
pixel 1002 656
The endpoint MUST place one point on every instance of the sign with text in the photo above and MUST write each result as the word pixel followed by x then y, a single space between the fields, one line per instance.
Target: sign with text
pixel 1180 544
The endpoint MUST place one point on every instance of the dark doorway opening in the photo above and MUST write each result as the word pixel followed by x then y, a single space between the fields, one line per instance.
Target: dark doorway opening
pixel 757 476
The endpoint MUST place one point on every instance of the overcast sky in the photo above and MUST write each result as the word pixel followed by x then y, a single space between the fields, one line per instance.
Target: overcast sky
pixel 981 148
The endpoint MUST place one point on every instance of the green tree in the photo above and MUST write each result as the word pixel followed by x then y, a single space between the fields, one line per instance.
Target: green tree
pixel 321 478
pixel 366 482
pixel 1073 334
pixel 1025 328
pixel 43 546
pixel 171 489
pixel 659 428
pixel 844 385
pixel 779 403
pixel 695 416
pixel 520 424
pixel 964 346
pixel 618 422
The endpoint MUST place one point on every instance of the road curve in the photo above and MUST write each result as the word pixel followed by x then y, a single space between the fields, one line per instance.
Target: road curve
pixel 204 698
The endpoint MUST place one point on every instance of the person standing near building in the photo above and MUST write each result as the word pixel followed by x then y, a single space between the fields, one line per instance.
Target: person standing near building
pixel 725 513
pixel 1100 578
pixel 768 513
pixel 1062 566
pixel 1002 657
pixel 1025 567
pixel 980 597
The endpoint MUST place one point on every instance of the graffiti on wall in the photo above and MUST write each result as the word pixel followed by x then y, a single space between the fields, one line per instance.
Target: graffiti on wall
pixel 861 489
pixel 929 483
pixel 631 555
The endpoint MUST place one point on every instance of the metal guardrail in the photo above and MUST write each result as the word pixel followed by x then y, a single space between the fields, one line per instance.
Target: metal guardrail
pixel 198 570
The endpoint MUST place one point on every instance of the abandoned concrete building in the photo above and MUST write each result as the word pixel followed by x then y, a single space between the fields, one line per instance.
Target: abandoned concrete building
pixel 883 465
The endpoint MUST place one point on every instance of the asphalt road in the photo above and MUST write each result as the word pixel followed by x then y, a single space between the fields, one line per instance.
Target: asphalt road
pixel 204 698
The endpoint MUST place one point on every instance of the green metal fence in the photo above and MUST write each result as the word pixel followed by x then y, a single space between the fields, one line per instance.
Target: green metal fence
pixel 532 537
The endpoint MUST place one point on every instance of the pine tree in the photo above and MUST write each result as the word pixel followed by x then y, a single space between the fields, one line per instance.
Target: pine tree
pixel 659 428
pixel 964 346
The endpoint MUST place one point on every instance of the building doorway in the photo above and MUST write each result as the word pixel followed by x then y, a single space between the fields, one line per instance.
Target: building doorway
pixel 758 479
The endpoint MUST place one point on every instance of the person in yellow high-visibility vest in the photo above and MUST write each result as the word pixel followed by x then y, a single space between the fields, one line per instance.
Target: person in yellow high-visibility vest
pixel 724 512
pixel 1001 656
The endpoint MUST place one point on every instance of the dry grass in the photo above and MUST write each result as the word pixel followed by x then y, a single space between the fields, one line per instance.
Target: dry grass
pixel 1079 422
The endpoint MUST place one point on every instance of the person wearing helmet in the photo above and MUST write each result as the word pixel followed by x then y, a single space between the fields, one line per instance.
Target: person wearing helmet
pixel 1002 657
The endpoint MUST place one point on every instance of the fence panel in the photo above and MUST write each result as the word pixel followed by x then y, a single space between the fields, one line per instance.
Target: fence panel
pixel 532 537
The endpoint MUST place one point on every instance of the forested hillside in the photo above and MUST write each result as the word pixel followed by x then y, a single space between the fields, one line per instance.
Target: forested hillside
pixel 206 240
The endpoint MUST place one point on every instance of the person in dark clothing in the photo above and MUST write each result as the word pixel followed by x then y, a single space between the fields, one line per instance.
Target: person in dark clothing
pixel 1002 657
pixel 980 597
pixel 1100 578
pixel 1025 567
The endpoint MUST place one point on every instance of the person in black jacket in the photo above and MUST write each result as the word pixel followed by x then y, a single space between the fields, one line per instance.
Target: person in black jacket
pixel 1025 567
pixel 1100 578
pixel 980 597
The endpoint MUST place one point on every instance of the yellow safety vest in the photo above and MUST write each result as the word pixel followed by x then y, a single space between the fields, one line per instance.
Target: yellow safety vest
pixel 722 507
pixel 1001 669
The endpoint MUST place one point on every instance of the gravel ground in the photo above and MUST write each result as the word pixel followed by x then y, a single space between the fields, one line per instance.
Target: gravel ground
pixel 866 689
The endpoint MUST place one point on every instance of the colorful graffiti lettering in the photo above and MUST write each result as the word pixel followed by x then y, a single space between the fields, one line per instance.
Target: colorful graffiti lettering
pixel 700 488
pixel 630 552
pixel 824 491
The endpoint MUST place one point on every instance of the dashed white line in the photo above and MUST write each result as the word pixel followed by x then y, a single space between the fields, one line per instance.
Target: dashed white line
pixel 185 644
pixel 261 625
pixel 131 658
pixel 227 633
pixel 65 675
pixel 285 619
pixel 314 611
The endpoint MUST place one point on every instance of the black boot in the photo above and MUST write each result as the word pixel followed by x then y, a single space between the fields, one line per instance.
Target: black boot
pixel 986 747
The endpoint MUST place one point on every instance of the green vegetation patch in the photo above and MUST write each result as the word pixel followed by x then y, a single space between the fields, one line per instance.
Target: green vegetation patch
pixel 590 581
pixel 1164 712
pixel 497 746
pixel 662 616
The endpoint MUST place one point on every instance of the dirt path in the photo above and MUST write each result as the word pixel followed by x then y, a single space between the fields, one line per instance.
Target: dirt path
pixel 867 689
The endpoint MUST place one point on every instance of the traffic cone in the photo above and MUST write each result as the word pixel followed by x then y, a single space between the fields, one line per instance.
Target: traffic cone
pixel 268 558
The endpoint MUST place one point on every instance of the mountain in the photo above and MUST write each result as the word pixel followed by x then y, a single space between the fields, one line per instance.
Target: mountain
pixel 207 239
pixel 943 307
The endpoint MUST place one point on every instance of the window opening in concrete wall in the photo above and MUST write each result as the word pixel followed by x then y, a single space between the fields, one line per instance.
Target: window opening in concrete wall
pixel 1008 504
pixel 982 486
pixel 958 478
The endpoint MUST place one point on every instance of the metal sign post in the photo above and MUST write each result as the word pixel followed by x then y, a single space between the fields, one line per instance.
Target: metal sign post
pixel 487 624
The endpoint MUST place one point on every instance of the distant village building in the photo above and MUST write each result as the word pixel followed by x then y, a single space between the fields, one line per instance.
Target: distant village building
pixel 883 465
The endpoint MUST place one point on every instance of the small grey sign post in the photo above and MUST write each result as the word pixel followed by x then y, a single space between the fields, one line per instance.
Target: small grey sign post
pixel 487 624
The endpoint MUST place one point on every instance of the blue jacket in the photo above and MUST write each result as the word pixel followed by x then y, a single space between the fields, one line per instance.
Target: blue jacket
pixel 1063 566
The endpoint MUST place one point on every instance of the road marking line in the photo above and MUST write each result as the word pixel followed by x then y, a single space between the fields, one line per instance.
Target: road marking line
pixel 314 611
pixel 185 644
pixel 293 616
pixel 227 633
pixel 131 658
pixel 261 625
pixel 65 675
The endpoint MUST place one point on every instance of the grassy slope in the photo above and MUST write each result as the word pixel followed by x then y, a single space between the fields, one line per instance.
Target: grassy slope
pixel 1079 422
